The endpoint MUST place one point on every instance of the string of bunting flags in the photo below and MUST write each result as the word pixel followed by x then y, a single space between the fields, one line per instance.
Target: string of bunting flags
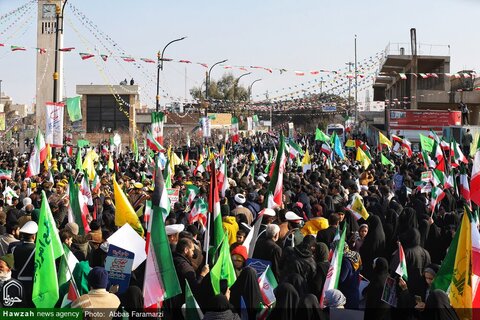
pixel 17 15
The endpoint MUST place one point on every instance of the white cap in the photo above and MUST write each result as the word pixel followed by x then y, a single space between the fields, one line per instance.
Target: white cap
pixel 240 198
pixel 30 227
pixel 261 179
pixel 291 216
pixel 269 212
pixel 174 229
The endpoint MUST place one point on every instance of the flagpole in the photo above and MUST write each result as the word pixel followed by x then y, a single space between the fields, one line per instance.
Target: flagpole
pixel 206 242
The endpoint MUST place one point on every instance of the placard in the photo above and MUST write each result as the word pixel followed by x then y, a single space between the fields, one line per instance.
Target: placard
pixel 259 265
pixel 118 264
pixel 389 294
pixel 128 239
pixel 54 123
pixel 173 194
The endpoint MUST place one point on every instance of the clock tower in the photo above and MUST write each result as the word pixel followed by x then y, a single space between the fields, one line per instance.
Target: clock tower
pixel 46 34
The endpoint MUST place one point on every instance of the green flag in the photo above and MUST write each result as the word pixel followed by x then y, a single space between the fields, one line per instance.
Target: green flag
pixel 426 142
pixel 48 247
pixel 223 268
pixel 444 276
pixel 319 135
pixel 74 109
pixel 75 205
pixel 78 162
pixel 193 311
pixel 386 161
pixel 83 143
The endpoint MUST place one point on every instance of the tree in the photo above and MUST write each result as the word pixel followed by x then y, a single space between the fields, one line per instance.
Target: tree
pixel 226 89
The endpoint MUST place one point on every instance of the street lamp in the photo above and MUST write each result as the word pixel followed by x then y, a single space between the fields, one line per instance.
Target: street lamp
pixel 160 67
pixel 235 84
pixel 58 27
pixel 207 82
pixel 250 89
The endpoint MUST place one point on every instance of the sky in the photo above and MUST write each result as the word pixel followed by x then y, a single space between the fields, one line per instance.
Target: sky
pixel 278 34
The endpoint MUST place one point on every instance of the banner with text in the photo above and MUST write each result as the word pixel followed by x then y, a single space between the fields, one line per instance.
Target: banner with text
pixel 54 121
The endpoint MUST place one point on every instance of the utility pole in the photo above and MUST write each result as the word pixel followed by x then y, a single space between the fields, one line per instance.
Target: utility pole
pixel 350 64
pixel 271 109
pixel 413 77
pixel 356 84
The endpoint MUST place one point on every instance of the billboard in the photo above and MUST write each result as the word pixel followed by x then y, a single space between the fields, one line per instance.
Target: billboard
pixel 400 119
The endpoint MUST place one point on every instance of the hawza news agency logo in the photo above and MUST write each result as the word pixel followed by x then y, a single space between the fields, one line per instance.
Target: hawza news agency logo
pixel 12 293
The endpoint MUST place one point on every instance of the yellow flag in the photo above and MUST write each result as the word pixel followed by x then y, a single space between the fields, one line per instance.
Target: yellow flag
pixel 350 143
pixel 174 161
pixel 461 286
pixel 384 140
pixel 306 158
pixel 363 158
pixel 88 164
pixel 124 212
pixel 110 162
pixel 358 208
pixel 48 158
pixel 222 151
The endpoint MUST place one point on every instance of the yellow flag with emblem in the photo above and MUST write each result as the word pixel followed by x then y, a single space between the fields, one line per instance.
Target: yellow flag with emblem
pixel 358 208
pixel 384 140
pixel 363 158
pixel 461 287
pixel 124 212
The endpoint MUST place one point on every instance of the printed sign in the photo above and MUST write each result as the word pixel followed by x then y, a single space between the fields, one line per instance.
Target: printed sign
pixel 173 195
pixel 329 108
pixel 118 264
pixel 259 265
pixel 54 122
pixel 389 294
pixel 426 176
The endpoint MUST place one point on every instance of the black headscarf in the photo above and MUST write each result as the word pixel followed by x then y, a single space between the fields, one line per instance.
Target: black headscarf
pixel 321 259
pixel 437 307
pixel 286 304
pixel 309 308
pixel 373 246
pixel 132 299
pixel 298 282
pixel 246 286
pixel 218 303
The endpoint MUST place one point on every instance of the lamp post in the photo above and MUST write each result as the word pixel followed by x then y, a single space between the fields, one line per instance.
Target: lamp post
pixel 250 89
pixel 207 82
pixel 160 67
pixel 58 29
pixel 235 84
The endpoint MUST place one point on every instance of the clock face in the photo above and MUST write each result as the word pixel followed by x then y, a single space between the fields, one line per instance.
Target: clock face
pixel 48 10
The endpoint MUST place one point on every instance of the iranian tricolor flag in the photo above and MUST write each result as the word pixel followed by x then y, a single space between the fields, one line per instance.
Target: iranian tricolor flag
pixel 275 187
pixel 333 273
pixel 464 186
pixel 475 179
pixel 223 184
pixel 198 212
pixel 86 56
pixel 5 174
pixel 161 281
pixel 436 197
pixel 214 209
pixel 191 193
pixel 295 150
pixel 402 264
pixel 157 126
pixel 153 144
pixel 458 155
pixel 267 283
pixel 234 129
pixel 39 154
pixel 326 149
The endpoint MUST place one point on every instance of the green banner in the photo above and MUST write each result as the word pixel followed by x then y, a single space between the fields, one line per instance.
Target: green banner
pixel 74 109
pixel 427 143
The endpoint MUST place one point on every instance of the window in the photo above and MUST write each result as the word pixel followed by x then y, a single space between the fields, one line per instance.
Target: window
pixel 103 111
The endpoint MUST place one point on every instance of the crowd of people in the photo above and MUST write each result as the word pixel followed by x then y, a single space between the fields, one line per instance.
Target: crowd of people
pixel 296 238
